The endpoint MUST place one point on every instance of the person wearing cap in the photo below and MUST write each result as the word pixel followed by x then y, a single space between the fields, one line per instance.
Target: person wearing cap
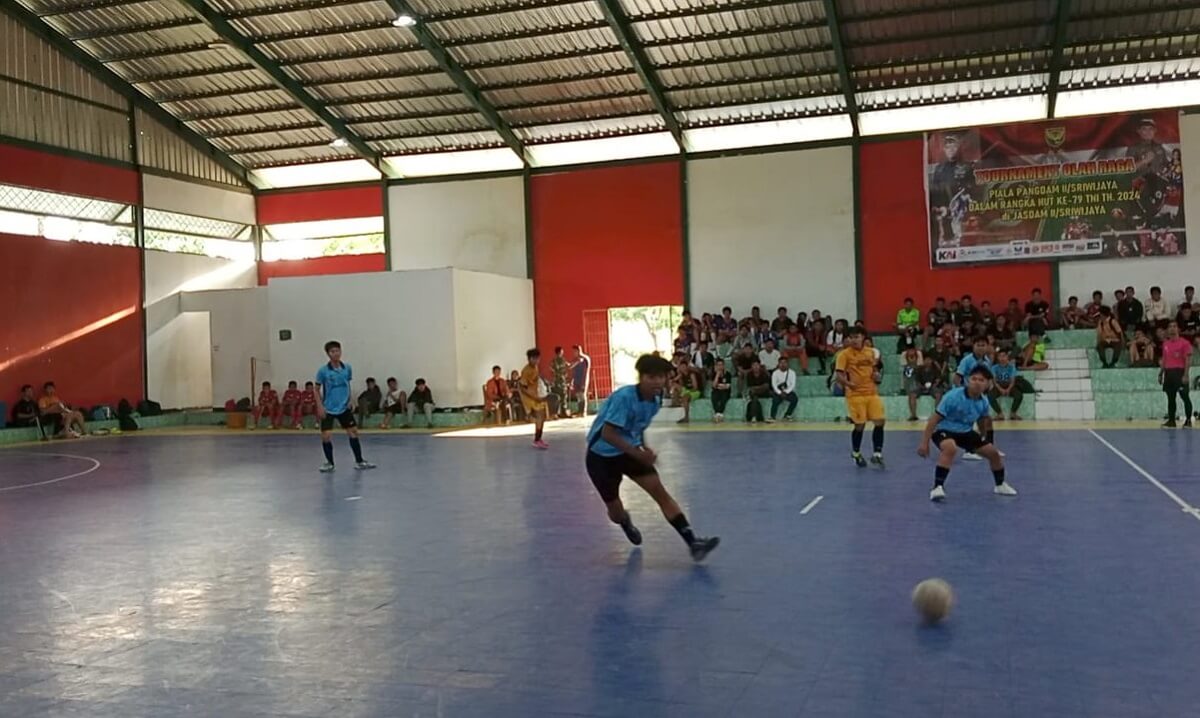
pixel 1147 152
pixel 950 187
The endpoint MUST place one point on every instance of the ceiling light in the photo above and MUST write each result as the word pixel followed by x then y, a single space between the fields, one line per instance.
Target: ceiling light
pixel 405 20
pixel 339 143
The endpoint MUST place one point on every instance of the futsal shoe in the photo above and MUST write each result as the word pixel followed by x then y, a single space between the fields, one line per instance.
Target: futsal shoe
pixel 539 444
pixel 877 459
pixel 326 468
pixel 859 461
pixel 701 547
pixel 971 456
pixel 364 465
pixel 631 532
pixel 938 494
pixel 1004 490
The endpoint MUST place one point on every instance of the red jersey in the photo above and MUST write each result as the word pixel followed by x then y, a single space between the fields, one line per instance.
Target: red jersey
pixel 268 397
pixel 291 397
pixel 308 397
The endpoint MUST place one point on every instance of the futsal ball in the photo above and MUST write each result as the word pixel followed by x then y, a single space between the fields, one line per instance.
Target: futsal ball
pixel 933 598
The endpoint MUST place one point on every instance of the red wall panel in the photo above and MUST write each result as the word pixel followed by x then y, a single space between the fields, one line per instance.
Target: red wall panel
pixel 59 173
pixel 71 316
pixel 895 244
pixel 602 238
pixel 345 264
pixel 318 204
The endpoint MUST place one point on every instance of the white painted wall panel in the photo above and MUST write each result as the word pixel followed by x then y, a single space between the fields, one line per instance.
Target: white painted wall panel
pixel 172 195
pixel 1082 277
pixel 477 225
pixel 493 324
pixel 773 230
pixel 239 327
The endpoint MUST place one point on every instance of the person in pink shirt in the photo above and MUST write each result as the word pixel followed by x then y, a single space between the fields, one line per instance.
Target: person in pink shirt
pixel 1176 358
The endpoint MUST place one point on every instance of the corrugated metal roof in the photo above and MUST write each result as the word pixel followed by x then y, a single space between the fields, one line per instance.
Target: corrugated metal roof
pixel 555 70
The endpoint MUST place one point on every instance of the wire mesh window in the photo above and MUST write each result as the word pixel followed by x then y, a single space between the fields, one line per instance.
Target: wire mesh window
pixel 65 217
pixel 188 234
pixel 328 238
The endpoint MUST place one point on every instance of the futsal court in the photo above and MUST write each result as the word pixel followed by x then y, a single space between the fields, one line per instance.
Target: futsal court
pixel 217 575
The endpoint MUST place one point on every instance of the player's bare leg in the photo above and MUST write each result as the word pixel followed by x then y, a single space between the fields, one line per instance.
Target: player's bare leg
pixel 619 516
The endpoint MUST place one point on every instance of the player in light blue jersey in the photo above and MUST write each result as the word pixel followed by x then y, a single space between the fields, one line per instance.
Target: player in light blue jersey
pixel 617 448
pixel 953 426
pixel 333 394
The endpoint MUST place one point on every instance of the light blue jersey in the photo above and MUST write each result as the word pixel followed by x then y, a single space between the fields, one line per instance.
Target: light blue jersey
pixel 629 413
pixel 1003 374
pixel 335 387
pixel 968 364
pixel 960 412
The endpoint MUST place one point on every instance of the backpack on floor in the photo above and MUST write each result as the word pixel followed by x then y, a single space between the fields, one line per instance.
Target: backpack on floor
pixel 149 408
pixel 243 404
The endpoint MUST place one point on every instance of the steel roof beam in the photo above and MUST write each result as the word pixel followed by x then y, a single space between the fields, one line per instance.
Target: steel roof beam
pixel 225 30
pixel 86 7
pixel 285 8
pixel 1061 20
pixel 735 34
pixel 403 116
pixel 359 54
pixel 159 52
pixel 378 97
pixel 322 31
pixel 370 75
pixel 212 94
pixel 528 34
pixel 237 112
pixel 451 67
pixel 636 53
pixel 188 74
pixel 693 12
pixel 247 131
pixel 133 29
pixel 278 147
pixel 493 10
pixel 843 65
pixel 918 11
pixel 117 84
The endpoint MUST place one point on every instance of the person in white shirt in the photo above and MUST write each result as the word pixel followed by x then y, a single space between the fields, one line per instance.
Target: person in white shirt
pixel 394 402
pixel 783 388
pixel 836 338
pixel 769 356
pixel 1157 309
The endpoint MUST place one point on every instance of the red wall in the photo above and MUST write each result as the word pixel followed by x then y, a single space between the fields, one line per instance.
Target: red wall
pixel 51 291
pixel 312 205
pixel 59 173
pixel 602 238
pixel 346 264
pixel 895 245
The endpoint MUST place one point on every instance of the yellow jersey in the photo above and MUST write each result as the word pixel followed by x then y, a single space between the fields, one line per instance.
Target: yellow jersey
pixel 859 365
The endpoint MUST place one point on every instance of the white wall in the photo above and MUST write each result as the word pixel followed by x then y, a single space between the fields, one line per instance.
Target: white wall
pixel 172 195
pixel 178 346
pixel 1082 277
pixel 493 324
pixel 238 326
pixel 477 225
pixel 397 324
pixel 773 230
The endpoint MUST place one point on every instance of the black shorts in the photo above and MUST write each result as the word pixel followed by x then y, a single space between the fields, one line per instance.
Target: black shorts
pixel 967 441
pixel 346 419
pixel 606 473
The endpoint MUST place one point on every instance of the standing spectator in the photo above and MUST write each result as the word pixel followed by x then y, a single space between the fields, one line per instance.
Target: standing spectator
pixel 421 399
pixel 1092 310
pixel 560 371
pixel 910 364
pixel 290 406
pixel 532 397
pixel 267 405
pixel 939 315
pixel 1109 338
pixel 690 387
pixel 1142 350
pixel 908 316
pixel 1072 316
pixel 1158 312
pixel 581 378
pixel 26 413
pixel 769 356
pixel 783 388
pixel 70 419
pixel 722 385
pixel 703 360
pixel 496 397
pixel 816 346
pixel 369 401
pixel 394 402
pixel 1006 381
pixel 1130 311
pixel 1177 357
pixel 781 323
pixel 794 347
pixel 758 386
pixel 1037 313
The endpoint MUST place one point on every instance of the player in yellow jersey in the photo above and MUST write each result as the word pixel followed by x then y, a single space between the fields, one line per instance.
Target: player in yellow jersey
pixel 857 375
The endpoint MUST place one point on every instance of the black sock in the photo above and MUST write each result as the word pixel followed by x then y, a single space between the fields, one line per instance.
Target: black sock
pixel 537 434
pixel 328 448
pixel 999 475
pixel 990 435
pixel 856 439
pixel 681 525
pixel 356 447
pixel 877 439
pixel 940 474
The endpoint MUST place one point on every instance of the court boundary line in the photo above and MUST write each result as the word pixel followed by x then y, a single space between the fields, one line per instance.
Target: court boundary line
pixel 811 505
pixel 1185 506
pixel 95 465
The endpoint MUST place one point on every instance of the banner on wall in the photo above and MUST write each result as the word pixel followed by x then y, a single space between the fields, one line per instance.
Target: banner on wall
pixel 1079 188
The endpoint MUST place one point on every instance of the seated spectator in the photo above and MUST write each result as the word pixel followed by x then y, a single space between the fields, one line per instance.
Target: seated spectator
pixel 743 362
pixel 927 380
pixel 955 310
pixel 758 386
pixel 1033 354
pixel 1092 310
pixel 1158 312
pixel 940 356
pixel 421 399
pixel 766 335
pixel 1007 381
pixel 514 390
pixel 369 401
pixel 496 396
pixel 290 406
pixel 267 405
pixel 560 374
pixel 1189 298
pixel 967 336
pixel 69 419
pixel 703 360
pixel 1130 311
pixel 1160 336
pixel 27 414
pixel 783 389
pixel 802 322
pixel 581 379
pixel 836 338
pixel 967 310
pixel 1072 316
pixel 1142 351
pixel 706 329
pixel 817 317
pixel 987 318
pixel 395 402
pixel 683 341
pixel 1109 338
pixel 1037 313
pixel 939 316
pixel 781 322
pixel 909 317
pixel 1016 317
pixel 744 337
pixel 1189 323
pixel 722 386
pixel 910 338
pixel 689 326
pixel 816 345
pixel 308 403
pixel 769 355
pixel 724 352
pixel 794 347
pixel 754 321
pixel 1004 335
pixel 725 326
pixel 690 386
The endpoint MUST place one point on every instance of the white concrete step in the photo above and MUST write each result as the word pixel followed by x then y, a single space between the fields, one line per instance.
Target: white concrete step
pixel 1065 410
pixel 1053 385
pixel 1067 353
pixel 1055 373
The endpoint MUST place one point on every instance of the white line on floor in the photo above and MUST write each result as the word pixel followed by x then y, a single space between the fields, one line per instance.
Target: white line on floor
pixel 811 504
pixel 95 465
pixel 1187 508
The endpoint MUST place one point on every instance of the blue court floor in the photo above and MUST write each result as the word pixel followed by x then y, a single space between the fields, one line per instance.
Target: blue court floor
pixel 474 577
